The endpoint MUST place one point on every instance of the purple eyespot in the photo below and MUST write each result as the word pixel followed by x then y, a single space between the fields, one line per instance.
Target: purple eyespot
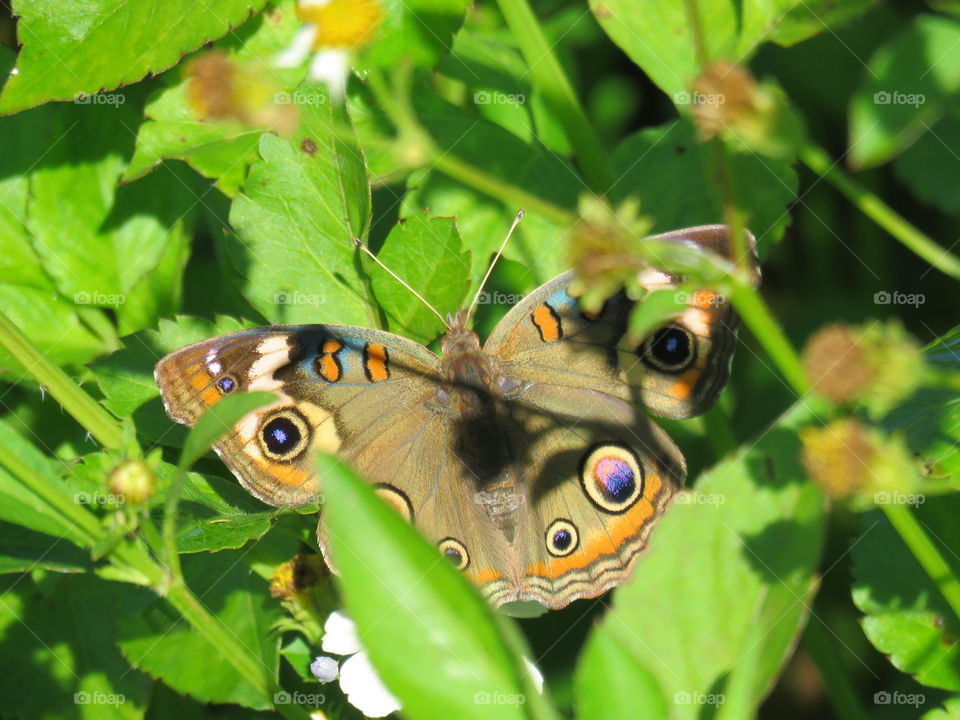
pixel 226 384
pixel 614 478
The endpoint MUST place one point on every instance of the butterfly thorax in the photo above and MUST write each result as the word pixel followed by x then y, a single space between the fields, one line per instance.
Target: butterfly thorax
pixel 469 373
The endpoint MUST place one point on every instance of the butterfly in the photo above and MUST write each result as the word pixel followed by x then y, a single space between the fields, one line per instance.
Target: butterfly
pixel 530 460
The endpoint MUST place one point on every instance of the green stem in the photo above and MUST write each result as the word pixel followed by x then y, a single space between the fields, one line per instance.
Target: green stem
pixel 877 210
pixel 550 79
pixel 756 315
pixel 719 435
pixel 170 551
pixel 926 553
pixel 84 409
pixel 834 677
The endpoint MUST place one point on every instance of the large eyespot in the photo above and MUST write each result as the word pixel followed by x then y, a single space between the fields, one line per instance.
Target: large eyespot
pixel 671 349
pixel 226 384
pixel 562 537
pixel 284 435
pixel 396 499
pixel 612 477
pixel 455 551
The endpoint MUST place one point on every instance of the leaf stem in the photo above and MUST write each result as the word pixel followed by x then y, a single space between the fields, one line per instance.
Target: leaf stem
pixel 549 77
pixel 841 692
pixel 926 552
pixel 84 409
pixel 877 210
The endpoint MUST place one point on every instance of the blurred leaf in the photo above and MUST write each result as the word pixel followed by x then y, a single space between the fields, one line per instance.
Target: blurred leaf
pixel 909 82
pixel 155 639
pixel 749 536
pixel 664 167
pixel 931 166
pixel 661 41
pixel 906 618
pixel 302 204
pixel 403 595
pixel 611 683
pixel 414 31
pixel 84 46
pixel 428 254
pixel 483 221
pixel 23 550
pixel 950 711
pixel 60 659
pixel 218 420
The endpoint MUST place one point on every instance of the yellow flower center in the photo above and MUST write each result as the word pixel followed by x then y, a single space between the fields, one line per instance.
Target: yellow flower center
pixel 342 23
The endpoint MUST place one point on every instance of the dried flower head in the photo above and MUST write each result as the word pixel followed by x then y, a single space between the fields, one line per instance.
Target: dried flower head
pixel 837 365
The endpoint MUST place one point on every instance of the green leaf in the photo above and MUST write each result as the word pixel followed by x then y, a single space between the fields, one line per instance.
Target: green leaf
pixel 155 639
pixel 414 31
pixel 950 711
pixel 427 253
pixel 906 618
pixel 661 41
pixel 483 221
pixel 83 46
pixel 611 683
pixel 303 202
pixel 929 167
pixel 664 167
pixel 749 536
pixel 23 550
pixel 217 421
pixel 908 84
pixel 404 595
pixel 66 663
pixel 126 376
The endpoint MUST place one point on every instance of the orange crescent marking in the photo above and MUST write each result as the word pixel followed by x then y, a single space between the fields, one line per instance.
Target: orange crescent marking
pixel 682 388
pixel 481 576
pixel 604 542
pixel 329 368
pixel 375 362
pixel 547 322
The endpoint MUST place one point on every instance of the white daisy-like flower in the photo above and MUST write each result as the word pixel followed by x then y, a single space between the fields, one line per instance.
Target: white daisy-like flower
pixel 333 30
pixel 358 678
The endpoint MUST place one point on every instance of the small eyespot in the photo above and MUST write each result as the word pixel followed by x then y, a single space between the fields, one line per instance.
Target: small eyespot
pixel 226 384
pixel 284 435
pixel 562 537
pixel 612 477
pixel 455 551
pixel 396 499
pixel 671 349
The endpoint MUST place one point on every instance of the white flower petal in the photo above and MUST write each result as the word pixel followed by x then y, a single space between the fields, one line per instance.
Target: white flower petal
pixel 299 49
pixel 340 635
pixel 324 668
pixel 364 689
pixel 535 674
pixel 331 67
pixel 313 3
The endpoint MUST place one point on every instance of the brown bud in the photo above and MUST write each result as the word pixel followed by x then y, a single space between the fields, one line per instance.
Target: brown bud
pixel 838 456
pixel 836 363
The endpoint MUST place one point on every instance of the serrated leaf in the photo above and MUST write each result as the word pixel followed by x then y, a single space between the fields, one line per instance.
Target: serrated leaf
pixel 302 203
pixel 664 167
pixel 403 595
pixel 750 536
pixel 157 641
pixel 60 660
pixel 950 711
pixel 83 46
pixel 428 254
pixel 909 82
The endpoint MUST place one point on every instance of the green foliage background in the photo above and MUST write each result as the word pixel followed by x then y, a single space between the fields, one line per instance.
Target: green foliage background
pixel 130 226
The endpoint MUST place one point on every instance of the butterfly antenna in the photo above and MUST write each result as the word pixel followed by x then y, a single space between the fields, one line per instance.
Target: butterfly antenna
pixel 359 243
pixel 476 298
